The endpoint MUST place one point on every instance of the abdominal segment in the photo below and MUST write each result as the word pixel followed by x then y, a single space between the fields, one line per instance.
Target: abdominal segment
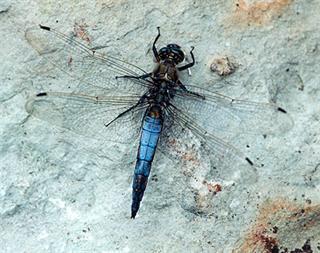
pixel 151 130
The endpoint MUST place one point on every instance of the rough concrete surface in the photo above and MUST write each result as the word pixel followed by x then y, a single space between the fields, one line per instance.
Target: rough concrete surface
pixel 61 192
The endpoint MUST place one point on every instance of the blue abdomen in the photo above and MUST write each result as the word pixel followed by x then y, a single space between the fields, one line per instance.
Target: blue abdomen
pixel 150 133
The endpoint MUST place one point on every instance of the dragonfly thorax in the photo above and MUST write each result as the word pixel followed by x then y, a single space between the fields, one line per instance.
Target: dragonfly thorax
pixel 166 71
pixel 161 94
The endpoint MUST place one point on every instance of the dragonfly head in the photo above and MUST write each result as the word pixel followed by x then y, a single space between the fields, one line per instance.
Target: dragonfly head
pixel 172 52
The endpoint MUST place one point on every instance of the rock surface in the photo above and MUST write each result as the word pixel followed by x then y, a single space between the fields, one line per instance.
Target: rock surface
pixel 61 192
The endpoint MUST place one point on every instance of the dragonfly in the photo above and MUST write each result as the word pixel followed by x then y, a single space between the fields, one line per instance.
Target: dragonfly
pixel 116 98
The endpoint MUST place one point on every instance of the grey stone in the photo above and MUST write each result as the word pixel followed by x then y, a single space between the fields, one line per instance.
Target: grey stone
pixel 61 192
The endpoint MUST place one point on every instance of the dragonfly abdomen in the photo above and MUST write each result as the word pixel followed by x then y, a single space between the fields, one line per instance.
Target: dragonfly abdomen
pixel 151 129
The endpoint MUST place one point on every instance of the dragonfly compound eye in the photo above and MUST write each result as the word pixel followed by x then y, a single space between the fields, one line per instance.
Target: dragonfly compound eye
pixel 173 52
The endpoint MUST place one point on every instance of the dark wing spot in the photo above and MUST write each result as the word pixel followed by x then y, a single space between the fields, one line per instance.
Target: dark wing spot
pixel 282 110
pixel 249 161
pixel 42 94
pixel 45 27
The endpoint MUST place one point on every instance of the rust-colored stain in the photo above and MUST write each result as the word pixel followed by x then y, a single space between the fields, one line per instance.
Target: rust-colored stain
pixel 280 225
pixel 190 157
pixel 213 187
pixel 80 31
pixel 258 12
pixel 187 155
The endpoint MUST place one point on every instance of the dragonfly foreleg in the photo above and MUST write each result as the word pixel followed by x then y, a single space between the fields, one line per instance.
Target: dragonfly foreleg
pixel 154 49
pixel 141 101
pixel 144 76
pixel 189 65
pixel 192 93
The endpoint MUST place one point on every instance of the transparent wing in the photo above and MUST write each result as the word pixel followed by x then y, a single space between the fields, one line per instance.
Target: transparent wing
pixel 89 115
pixel 223 156
pixel 79 60
pixel 222 114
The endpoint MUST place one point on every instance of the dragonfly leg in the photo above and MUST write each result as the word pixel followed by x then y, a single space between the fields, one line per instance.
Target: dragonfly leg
pixel 126 111
pixel 189 65
pixel 184 88
pixel 154 49
pixel 145 76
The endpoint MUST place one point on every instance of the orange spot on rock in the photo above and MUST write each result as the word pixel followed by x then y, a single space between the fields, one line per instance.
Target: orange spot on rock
pixel 277 223
pixel 213 187
pixel 80 31
pixel 187 154
pixel 190 156
pixel 258 12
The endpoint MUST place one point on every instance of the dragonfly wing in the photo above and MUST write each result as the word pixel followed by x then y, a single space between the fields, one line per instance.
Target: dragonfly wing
pixel 223 156
pixel 78 59
pixel 219 113
pixel 88 115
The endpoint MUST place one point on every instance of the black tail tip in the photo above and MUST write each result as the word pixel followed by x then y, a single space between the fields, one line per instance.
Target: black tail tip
pixel 282 110
pixel 133 214
pixel 249 161
pixel 134 210
pixel 45 27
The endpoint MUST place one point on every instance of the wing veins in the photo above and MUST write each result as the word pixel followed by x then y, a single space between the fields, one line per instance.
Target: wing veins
pixel 109 60
pixel 203 134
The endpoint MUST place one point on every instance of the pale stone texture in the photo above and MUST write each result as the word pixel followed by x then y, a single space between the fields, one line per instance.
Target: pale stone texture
pixel 63 193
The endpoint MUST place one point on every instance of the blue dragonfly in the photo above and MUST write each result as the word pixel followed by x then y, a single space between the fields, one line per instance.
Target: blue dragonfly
pixel 119 99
